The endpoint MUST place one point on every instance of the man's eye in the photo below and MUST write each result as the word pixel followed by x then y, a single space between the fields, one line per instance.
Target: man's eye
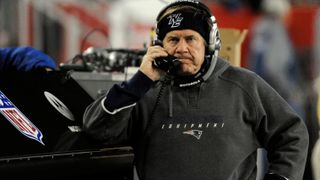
pixel 190 38
pixel 174 40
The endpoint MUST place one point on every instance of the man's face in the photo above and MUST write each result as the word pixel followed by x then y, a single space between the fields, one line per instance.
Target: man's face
pixel 188 46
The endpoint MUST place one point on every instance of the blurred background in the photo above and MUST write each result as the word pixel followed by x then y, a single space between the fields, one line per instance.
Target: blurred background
pixel 282 44
pixel 63 28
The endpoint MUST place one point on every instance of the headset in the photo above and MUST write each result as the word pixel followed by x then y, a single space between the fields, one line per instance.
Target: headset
pixel 214 43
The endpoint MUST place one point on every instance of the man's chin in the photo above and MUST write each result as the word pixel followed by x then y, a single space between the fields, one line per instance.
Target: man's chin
pixel 184 73
pixel 186 70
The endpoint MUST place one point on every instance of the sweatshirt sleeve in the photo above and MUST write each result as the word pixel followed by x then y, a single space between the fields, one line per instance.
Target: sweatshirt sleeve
pixel 108 118
pixel 24 58
pixel 282 133
pixel 127 93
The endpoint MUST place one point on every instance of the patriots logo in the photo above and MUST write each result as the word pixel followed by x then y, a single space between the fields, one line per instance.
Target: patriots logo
pixel 175 20
pixel 193 132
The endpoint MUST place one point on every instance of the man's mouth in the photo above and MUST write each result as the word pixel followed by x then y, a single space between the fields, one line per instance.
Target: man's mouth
pixel 185 60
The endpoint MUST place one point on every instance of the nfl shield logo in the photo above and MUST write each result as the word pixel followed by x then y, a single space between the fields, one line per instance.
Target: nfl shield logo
pixel 19 120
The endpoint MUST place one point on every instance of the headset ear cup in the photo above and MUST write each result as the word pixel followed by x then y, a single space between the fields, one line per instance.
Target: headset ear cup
pixel 218 40
pixel 155 33
pixel 214 36
pixel 212 40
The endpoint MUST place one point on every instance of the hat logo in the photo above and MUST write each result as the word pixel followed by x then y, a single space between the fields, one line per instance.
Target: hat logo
pixel 175 20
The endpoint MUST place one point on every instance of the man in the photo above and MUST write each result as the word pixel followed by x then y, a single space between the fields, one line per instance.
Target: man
pixel 204 120
pixel 24 59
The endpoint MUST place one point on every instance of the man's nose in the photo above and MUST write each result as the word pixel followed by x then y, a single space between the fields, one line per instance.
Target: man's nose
pixel 182 46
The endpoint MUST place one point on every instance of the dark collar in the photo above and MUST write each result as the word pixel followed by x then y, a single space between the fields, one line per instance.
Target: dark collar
pixel 186 81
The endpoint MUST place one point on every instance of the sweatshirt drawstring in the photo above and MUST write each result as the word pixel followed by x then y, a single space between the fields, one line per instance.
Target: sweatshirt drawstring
pixel 170 102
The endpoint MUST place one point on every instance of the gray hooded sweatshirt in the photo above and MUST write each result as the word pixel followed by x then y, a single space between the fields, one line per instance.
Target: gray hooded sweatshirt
pixel 209 131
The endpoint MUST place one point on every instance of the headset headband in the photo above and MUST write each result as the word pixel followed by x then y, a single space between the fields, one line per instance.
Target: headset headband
pixel 214 42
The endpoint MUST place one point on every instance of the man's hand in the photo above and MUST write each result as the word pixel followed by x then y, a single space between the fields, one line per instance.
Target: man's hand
pixel 146 64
